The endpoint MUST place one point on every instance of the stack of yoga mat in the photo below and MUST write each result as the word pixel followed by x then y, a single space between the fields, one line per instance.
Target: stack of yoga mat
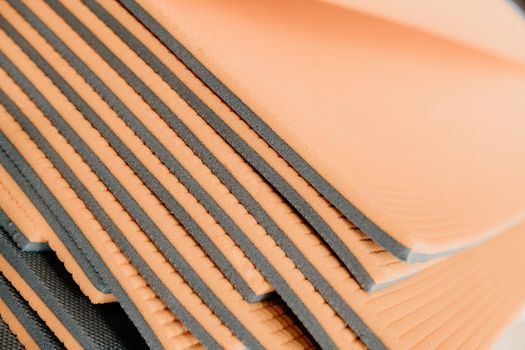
pixel 187 174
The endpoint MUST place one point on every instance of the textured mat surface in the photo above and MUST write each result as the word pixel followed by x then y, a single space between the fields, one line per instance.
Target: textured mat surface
pixel 392 183
pixel 373 266
pixel 29 328
pixel 279 328
pixel 148 163
pixel 41 279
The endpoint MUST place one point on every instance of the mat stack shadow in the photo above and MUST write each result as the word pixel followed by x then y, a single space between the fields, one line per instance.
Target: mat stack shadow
pixel 189 174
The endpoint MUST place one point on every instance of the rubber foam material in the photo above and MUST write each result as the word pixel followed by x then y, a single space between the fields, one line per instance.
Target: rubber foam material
pixel 361 331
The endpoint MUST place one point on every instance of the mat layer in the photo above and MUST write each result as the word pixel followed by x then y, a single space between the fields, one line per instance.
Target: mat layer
pixel 29 328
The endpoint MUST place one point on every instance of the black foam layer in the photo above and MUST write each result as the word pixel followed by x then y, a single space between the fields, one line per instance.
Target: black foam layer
pixel 277 143
pixel 94 327
pixel 137 166
pixel 27 317
pixel 110 283
pixel 18 236
pixel 8 339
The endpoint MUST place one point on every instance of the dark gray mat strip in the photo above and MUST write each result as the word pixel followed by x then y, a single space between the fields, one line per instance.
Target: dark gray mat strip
pixel 134 163
pixel 61 223
pixel 94 327
pixel 276 280
pixel 278 144
pixel 112 284
pixel 27 317
pixel 8 339
pixel 18 236
pixel 310 215
pixel 123 196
